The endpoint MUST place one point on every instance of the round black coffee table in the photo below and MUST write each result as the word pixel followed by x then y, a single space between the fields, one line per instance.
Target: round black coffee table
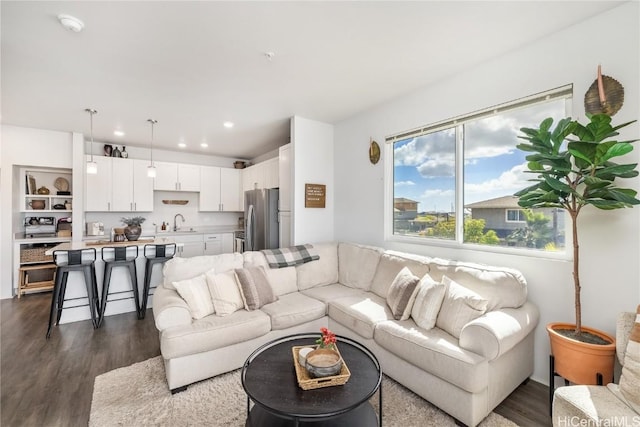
pixel 269 379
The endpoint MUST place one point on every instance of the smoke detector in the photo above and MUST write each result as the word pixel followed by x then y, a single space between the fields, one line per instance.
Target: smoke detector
pixel 71 23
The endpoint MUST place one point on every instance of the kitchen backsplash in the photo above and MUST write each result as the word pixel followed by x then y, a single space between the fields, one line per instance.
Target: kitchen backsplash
pixel 166 212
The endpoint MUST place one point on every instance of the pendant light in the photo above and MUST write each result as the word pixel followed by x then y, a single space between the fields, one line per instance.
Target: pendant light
pixel 92 167
pixel 151 170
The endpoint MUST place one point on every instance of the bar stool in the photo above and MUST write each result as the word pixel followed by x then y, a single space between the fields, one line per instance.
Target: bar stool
pixel 116 256
pixel 155 254
pixel 76 260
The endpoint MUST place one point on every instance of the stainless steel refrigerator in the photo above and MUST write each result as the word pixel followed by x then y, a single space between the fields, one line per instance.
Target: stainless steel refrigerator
pixel 261 230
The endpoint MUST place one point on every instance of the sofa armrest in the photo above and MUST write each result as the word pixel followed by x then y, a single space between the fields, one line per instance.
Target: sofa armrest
pixel 496 332
pixel 169 309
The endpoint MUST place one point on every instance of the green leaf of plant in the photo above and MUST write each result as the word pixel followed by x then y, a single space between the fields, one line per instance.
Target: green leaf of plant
pixel 617 149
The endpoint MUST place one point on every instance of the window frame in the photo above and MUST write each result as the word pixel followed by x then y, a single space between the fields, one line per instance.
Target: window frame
pixel 563 92
pixel 521 217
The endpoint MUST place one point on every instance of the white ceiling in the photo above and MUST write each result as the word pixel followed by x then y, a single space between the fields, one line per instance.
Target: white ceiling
pixel 194 65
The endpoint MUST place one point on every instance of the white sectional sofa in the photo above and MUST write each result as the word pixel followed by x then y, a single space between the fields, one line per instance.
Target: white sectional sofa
pixel 346 290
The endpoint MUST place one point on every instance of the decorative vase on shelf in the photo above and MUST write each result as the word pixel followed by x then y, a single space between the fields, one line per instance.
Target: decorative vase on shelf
pixel 116 152
pixel 124 153
pixel 132 232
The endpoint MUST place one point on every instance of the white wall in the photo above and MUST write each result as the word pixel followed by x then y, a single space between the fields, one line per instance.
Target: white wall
pixel 313 157
pixel 609 240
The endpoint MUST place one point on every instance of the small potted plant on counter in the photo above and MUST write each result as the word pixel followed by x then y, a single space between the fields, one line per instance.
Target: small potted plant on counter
pixel 133 229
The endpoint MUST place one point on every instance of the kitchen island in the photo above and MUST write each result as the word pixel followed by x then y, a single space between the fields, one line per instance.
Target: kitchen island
pixel 121 298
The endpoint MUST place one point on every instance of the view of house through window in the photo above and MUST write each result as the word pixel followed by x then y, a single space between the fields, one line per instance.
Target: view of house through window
pixel 483 148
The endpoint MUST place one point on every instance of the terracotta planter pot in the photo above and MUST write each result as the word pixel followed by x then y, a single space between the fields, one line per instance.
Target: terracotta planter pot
pixel 580 362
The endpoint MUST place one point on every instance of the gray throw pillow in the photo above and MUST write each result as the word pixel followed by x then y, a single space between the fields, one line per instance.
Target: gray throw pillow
pixel 401 293
pixel 254 287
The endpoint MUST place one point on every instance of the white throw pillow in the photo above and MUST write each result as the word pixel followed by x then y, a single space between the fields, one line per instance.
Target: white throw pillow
pixel 224 292
pixel 428 302
pixel 401 293
pixel 459 307
pixel 196 294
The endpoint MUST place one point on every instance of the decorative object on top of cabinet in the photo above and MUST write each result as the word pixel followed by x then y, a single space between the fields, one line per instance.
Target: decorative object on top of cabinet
pixel 108 149
pixel 374 151
pixel 43 190
pixel 239 164
pixel 605 95
pixel 124 153
pixel 116 152
pixel 175 202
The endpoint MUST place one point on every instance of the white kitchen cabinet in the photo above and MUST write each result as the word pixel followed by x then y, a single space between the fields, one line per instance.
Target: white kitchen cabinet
pixel 249 178
pixel 177 177
pixel 98 186
pixel 228 241
pixel 121 185
pixel 231 194
pixel 261 175
pixel 212 244
pixel 192 245
pixel 284 217
pixel 284 177
pixel 142 187
pixel 271 170
pixel 220 189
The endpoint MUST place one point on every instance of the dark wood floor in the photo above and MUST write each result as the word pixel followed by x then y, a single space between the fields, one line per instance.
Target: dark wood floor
pixel 50 382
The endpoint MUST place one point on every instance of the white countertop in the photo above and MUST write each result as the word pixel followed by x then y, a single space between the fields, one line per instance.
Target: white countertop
pixel 99 243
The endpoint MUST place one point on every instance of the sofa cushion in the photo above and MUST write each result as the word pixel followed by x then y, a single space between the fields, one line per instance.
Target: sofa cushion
pixel 360 313
pixel 434 351
pixel 358 265
pixel 294 309
pixel 590 405
pixel 320 272
pixel 179 268
pixel 212 332
pixel 501 287
pixel 459 307
pixel 254 287
pixel 402 293
pixel 283 280
pixel 630 378
pixel 390 264
pixel 196 294
pixel 428 302
pixel 225 293
pixel 331 292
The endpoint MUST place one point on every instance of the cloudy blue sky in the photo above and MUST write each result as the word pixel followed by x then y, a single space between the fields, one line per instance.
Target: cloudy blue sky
pixel 424 167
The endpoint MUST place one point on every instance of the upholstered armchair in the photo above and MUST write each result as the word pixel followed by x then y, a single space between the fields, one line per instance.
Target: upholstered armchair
pixel 613 404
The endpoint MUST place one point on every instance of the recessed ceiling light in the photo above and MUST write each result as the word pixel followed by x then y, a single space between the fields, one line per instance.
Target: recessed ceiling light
pixel 71 23
pixel 182 145
pixel 118 133
pixel 204 145
pixel 228 125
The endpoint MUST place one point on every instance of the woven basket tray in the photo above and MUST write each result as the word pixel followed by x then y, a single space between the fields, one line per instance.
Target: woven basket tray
pixel 34 255
pixel 308 383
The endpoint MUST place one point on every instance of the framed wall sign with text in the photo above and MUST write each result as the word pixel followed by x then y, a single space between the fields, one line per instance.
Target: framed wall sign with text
pixel 315 195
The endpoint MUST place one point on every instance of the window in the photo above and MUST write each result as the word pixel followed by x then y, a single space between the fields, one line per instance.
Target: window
pixel 516 215
pixel 455 180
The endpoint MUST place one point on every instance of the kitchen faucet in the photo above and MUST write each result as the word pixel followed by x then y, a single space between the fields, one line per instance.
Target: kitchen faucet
pixel 175 225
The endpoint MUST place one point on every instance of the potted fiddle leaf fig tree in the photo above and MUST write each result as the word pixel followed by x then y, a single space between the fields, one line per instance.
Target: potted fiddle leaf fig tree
pixel 574 168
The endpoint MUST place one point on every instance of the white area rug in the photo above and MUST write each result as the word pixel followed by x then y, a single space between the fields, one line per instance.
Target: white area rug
pixel 138 395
